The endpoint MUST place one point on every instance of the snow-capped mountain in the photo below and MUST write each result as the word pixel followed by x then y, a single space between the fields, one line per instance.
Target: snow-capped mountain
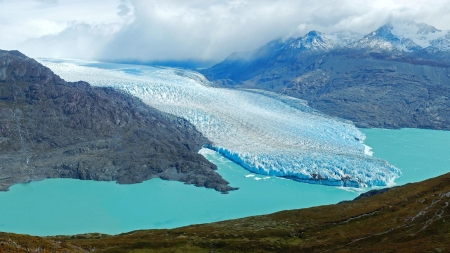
pixel 420 33
pixel 343 38
pixel 384 39
pixel 440 44
pixel 313 41
pixel 393 37
pixel 404 37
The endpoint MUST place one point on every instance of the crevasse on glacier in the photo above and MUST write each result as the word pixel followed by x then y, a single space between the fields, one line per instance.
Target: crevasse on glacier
pixel 264 132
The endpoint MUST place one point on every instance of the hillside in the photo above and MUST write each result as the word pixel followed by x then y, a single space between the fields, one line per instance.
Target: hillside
pixel 50 128
pixel 410 218
pixel 397 76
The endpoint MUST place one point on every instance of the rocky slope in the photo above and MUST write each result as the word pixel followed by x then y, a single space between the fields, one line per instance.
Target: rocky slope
pixel 50 128
pixel 397 76
pixel 410 218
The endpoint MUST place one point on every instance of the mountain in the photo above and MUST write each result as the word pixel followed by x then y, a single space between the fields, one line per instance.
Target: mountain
pixel 407 37
pixel 422 34
pixel 410 218
pixel 397 76
pixel 384 40
pixel 440 44
pixel 50 128
pixel 313 41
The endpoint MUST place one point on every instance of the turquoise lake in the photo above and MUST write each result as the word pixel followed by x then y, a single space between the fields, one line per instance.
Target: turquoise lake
pixel 68 206
pixel 419 153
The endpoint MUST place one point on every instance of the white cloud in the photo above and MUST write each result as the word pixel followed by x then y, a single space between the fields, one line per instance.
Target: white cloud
pixel 78 40
pixel 64 28
pixel 154 30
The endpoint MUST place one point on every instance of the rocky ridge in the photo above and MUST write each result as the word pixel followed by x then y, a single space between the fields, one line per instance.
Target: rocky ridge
pixel 50 128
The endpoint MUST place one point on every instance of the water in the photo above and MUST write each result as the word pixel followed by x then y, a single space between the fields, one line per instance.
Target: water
pixel 67 206
pixel 419 153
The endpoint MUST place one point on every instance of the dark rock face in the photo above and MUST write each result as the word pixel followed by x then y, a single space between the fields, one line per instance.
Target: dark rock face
pixel 50 128
pixel 371 87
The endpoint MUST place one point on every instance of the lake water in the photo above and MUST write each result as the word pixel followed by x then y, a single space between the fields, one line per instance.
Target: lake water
pixel 419 153
pixel 67 206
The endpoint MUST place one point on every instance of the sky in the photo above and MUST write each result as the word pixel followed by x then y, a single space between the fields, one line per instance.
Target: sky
pixel 196 30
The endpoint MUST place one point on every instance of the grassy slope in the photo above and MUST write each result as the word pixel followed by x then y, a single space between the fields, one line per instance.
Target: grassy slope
pixel 411 218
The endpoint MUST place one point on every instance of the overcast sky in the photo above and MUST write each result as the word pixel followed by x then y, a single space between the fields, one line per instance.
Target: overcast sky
pixel 183 30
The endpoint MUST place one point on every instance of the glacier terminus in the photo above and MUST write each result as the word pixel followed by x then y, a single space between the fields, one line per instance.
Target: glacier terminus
pixel 264 132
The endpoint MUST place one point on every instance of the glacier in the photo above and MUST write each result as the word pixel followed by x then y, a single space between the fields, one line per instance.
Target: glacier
pixel 266 133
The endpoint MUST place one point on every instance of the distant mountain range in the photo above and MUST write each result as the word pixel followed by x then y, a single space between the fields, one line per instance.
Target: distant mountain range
pixel 396 76
pixel 404 37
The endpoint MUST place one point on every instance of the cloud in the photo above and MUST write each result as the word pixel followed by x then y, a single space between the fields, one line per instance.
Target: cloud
pixel 82 32
pixel 64 28
pixel 48 1
pixel 211 30
pixel 124 9
pixel 201 30
pixel 78 40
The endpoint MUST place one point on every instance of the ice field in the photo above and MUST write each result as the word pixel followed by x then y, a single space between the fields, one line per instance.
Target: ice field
pixel 266 133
